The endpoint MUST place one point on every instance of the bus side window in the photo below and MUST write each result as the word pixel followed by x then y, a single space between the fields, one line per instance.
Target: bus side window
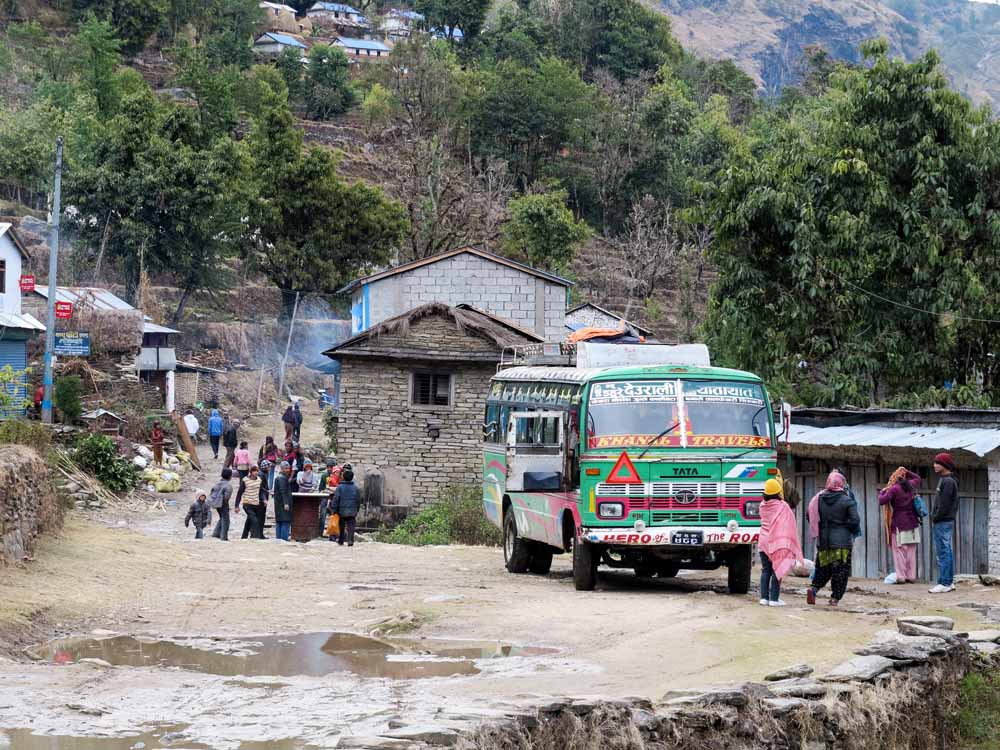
pixel 491 425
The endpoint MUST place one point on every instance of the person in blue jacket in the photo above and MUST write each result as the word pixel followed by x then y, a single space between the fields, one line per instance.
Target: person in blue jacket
pixel 216 426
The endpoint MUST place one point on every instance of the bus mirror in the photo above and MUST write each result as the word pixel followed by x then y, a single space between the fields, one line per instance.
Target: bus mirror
pixel 785 419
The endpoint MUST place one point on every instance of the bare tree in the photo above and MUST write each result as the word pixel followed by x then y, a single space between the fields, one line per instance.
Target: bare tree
pixel 646 252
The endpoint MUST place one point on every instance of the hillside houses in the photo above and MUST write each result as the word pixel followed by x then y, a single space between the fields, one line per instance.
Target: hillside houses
pixel 279 17
pixel 272 44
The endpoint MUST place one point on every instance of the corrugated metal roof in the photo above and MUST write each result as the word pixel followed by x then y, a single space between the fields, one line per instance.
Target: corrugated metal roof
pixel 978 440
pixel 155 328
pixel 291 41
pixel 346 41
pixel 277 6
pixel 23 321
pixel 339 7
pixel 95 297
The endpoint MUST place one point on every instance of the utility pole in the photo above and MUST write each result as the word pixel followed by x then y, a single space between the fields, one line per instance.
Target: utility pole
pixel 50 322
pixel 288 345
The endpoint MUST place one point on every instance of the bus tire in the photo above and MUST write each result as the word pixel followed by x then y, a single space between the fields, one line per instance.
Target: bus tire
pixel 668 570
pixel 739 570
pixel 541 559
pixel 516 552
pixel 645 572
pixel 585 557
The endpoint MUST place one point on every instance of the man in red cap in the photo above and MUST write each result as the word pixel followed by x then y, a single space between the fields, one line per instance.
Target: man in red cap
pixel 943 516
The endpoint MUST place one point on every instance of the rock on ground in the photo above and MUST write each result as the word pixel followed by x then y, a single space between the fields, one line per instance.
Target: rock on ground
pixel 984 636
pixel 799 670
pixel 928 621
pixel 860 669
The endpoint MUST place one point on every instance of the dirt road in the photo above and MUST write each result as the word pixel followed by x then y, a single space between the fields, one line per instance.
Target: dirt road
pixel 144 575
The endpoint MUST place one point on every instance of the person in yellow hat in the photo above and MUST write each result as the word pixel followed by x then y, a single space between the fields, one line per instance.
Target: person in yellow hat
pixel 778 544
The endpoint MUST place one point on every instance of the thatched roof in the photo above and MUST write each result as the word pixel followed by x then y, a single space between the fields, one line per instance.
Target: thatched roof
pixel 391 338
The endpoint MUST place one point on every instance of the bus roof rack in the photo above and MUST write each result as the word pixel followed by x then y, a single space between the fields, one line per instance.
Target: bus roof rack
pixel 588 354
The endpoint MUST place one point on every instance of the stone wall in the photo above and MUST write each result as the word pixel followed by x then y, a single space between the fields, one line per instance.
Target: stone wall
pixel 529 301
pixel 379 430
pixel 993 483
pixel 28 502
pixel 589 316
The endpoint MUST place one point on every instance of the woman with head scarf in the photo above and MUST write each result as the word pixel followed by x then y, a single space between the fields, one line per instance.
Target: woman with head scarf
pixel 778 543
pixel 834 523
pixel 904 523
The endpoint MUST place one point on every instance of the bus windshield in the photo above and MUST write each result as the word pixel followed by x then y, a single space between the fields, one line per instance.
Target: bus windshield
pixel 672 413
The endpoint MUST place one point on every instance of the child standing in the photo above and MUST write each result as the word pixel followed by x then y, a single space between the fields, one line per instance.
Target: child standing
pixel 156 440
pixel 200 513
pixel 242 459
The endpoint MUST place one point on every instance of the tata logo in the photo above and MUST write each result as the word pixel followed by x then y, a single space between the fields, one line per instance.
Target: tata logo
pixel 682 471
pixel 685 497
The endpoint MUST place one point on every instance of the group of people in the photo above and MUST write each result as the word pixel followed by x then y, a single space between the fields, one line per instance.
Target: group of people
pixel 276 476
pixel 835 523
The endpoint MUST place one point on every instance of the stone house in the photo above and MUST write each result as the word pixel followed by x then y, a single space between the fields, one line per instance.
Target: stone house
pixel 867 445
pixel 274 43
pixel 338 17
pixel 362 50
pixel 281 17
pixel 588 314
pixel 527 297
pixel 412 397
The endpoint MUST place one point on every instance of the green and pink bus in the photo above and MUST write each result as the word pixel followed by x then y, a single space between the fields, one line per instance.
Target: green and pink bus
pixel 655 468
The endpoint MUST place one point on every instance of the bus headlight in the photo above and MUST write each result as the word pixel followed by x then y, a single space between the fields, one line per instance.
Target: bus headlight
pixel 610 510
pixel 752 509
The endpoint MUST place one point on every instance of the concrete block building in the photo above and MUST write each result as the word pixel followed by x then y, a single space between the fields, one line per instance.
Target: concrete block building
pixel 527 297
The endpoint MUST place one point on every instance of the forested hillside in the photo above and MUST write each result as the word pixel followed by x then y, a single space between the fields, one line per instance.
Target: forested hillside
pixel 848 225
pixel 766 37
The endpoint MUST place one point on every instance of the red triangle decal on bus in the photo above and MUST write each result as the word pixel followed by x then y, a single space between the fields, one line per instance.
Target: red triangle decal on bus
pixel 623 472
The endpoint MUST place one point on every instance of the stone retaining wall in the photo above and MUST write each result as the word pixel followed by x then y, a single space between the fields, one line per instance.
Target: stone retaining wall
pixel 898 692
pixel 28 502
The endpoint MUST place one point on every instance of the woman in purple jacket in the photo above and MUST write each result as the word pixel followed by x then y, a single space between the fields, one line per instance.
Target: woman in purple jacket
pixel 899 493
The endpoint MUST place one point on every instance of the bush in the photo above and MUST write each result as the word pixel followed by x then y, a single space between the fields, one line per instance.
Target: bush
pixel 456 518
pixel 330 421
pixel 66 397
pixel 978 716
pixel 99 455
pixel 23 432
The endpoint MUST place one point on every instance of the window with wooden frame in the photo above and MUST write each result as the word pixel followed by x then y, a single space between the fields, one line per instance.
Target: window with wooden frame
pixel 431 389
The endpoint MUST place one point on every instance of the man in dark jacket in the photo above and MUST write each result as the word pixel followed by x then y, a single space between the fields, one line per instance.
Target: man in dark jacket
pixel 219 499
pixel 283 502
pixel 346 501
pixel 288 419
pixel 943 516
pixel 297 431
pixel 839 522
pixel 230 440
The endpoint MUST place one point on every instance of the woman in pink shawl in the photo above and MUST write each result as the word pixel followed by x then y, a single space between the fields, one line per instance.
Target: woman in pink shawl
pixel 778 544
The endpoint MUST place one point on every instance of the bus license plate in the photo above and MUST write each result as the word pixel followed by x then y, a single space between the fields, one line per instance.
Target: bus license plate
pixel 687 538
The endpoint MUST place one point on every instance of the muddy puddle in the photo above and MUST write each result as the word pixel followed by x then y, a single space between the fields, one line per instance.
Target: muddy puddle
pixel 162 737
pixel 310 654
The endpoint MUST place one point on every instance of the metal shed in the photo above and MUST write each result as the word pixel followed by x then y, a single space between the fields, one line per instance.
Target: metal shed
pixel 868 445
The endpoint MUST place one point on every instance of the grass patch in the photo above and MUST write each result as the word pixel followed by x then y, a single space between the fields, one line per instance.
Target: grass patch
pixel 978 716
pixel 456 518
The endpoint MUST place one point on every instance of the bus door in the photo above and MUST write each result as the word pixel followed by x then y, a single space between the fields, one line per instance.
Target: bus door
pixel 536 451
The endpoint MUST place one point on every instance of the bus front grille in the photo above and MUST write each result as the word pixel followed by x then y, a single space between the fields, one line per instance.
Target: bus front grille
pixel 677 517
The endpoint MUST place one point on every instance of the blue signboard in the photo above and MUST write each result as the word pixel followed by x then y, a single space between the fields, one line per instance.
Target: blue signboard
pixel 72 343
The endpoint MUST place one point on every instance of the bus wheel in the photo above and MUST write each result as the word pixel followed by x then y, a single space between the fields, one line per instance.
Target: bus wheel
pixel 668 570
pixel 516 552
pixel 585 557
pixel 541 559
pixel 739 570
pixel 644 572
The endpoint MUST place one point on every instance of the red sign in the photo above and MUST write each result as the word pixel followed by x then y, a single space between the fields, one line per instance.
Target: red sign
pixel 64 310
pixel 27 282
pixel 623 472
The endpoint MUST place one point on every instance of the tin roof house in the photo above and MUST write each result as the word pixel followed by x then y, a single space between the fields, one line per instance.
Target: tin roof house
pixel 16 327
pixel 274 43
pixel 342 18
pixel 283 18
pixel 362 50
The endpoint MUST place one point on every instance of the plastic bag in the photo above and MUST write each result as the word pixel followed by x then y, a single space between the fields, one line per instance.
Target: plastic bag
pixel 333 525
pixel 140 462
pixel 803 568
pixel 890 579
pixel 168 482
pixel 151 474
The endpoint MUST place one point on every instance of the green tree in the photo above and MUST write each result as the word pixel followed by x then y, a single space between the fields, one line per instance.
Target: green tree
pixel 527 115
pixel 66 398
pixel 542 230
pixel 135 21
pixel 445 16
pixel 289 64
pixel 855 242
pixel 378 108
pixel 98 53
pixel 328 89
pixel 312 231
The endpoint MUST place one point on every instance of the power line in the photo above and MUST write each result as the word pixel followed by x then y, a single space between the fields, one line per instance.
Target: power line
pixel 909 307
